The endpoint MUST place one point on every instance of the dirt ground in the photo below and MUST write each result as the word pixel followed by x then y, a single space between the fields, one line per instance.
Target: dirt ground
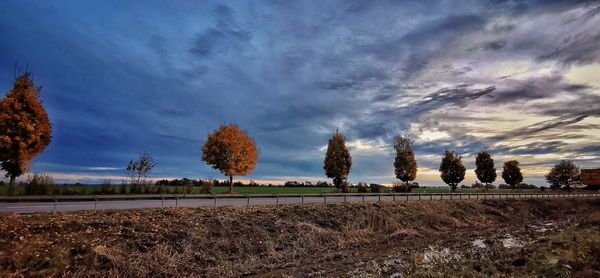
pixel 504 238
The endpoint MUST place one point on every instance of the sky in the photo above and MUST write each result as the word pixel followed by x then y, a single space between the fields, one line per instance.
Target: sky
pixel 519 79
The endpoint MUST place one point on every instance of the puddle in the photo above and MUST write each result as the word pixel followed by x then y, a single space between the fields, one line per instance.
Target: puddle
pixel 548 226
pixel 510 242
pixel 479 243
pixel 434 257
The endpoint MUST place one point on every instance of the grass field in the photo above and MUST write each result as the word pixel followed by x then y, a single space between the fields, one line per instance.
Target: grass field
pixel 94 189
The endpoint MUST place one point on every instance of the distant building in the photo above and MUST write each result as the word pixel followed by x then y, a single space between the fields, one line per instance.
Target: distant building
pixel 590 177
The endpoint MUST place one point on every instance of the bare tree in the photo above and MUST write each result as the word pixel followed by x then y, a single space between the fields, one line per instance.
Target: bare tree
pixel 139 170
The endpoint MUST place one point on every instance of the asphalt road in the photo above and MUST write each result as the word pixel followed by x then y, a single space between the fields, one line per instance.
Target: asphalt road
pixel 31 207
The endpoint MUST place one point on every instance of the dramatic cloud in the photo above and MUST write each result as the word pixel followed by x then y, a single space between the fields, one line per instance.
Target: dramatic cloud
pixel 516 78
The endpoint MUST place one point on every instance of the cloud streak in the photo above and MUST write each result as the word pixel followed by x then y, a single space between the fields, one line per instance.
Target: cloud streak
pixel 510 77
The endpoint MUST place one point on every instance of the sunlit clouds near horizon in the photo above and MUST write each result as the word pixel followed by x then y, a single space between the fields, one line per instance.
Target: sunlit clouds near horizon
pixel 519 79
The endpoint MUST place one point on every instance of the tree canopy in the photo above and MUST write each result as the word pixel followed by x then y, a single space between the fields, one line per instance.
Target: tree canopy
pixel 25 129
pixel 564 174
pixel 405 165
pixel 511 173
pixel 452 170
pixel 338 161
pixel 485 170
pixel 231 151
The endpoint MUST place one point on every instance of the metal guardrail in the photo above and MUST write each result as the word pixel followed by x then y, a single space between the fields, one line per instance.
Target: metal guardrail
pixel 395 196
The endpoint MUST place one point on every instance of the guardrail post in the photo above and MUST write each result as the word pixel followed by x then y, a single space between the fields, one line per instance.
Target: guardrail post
pixel 430 197
pixel 247 201
pixel 162 201
pixel 393 197
pixel 55 201
pixel 276 199
pixel 95 202
pixel 324 199
pixel 420 197
pixel 176 202
pixel 363 198
pixel 379 198
pixel 344 198
pixel 215 202
pixel 302 200
pixel 450 196
pixel 407 197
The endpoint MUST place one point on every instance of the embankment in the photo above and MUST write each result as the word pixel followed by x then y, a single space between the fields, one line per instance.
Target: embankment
pixel 336 239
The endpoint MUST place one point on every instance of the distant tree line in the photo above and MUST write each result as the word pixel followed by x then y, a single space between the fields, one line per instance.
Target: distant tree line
pixel 25 131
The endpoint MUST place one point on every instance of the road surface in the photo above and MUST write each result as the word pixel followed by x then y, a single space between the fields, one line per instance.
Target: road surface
pixel 65 205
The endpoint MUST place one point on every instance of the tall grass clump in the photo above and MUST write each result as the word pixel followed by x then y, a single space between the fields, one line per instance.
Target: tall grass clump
pixel 39 184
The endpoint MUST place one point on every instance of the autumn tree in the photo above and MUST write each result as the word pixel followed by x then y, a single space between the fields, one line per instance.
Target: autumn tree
pixel 405 165
pixel 140 169
pixel 511 173
pixel 24 127
pixel 485 170
pixel 564 174
pixel 338 161
pixel 231 151
pixel 452 170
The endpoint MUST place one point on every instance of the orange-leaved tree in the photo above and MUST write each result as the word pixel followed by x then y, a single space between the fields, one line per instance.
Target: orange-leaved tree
pixel 231 151
pixel 405 165
pixel 452 170
pixel 24 127
pixel 338 161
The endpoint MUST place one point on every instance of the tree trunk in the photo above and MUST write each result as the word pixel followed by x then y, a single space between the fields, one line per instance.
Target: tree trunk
pixel 12 180
pixel 230 184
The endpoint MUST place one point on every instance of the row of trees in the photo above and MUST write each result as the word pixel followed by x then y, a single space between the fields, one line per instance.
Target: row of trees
pixel 231 151
pixel 25 131
pixel 338 163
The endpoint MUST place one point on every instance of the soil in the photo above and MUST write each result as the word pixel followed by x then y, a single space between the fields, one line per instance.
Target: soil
pixel 471 238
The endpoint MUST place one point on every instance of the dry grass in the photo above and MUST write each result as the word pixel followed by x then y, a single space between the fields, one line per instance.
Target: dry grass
pixel 229 241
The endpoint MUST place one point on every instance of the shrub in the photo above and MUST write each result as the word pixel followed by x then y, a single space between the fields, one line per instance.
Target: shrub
pixel 376 188
pixel 401 187
pixel 504 186
pixel 39 184
pixel 362 187
pixel 123 189
pixel 105 187
pixel 526 186
pixel 207 187
pixel 65 190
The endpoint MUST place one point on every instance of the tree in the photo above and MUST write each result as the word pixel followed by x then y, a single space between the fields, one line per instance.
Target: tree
pixel 564 174
pixel 338 161
pixel 485 170
pixel 452 170
pixel 231 151
pixel 511 173
pixel 25 130
pixel 405 165
pixel 140 170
